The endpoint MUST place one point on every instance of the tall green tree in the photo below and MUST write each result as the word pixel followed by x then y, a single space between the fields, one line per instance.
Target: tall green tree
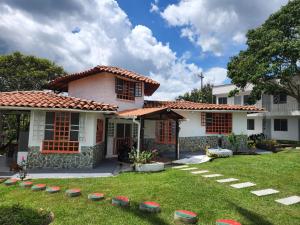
pixel 22 72
pixel 271 62
pixel 199 95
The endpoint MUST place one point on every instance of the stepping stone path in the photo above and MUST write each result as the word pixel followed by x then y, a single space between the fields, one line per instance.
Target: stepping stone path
pixel 199 171
pixel 10 182
pixel 289 200
pixel 38 187
pixel 227 222
pixel 212 175
pixel 96 196
pixel 151 207
pixel 186 217
pixel 179 167
pixel 243 185
pixel 264 192
pixel 73 192
pixel 227 180
pixel 190 168
pixel 53 189
pixel 26 184
pixel 120 201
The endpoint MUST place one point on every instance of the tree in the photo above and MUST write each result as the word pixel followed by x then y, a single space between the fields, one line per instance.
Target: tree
pixel 197 95
pixel 21 72
pixel 271 62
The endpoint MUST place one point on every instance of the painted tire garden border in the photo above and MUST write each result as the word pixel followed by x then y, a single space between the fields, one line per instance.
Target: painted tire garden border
pixel 96 196
pixel 186 217
pixel 120 201
pixel 26 184
pixel 151 207
pixel 227 222
pixel 53 189
pixel 10 182
pixel 74 192
pixel 38 187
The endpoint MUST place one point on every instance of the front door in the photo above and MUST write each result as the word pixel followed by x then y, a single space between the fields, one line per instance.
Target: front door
pixel 123 139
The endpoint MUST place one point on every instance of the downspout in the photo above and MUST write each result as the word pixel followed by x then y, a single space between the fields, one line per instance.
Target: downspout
pixel 139 135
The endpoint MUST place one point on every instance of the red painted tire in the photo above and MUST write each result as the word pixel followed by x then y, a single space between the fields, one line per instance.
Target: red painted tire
pixel 10 182
pixel 38 187
pixel 53 189
pixel 227 222
pixel 26 184
pixel 185 216
pixel 152 207
pixel 120 201
pixel 73 192
pixel 96 196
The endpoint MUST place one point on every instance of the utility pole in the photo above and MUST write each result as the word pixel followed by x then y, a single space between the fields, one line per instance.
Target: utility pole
pixel 201 76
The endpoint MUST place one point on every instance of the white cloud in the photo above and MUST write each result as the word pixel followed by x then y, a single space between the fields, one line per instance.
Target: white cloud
pixel 106 37
pixel 154 7
pixel 213 24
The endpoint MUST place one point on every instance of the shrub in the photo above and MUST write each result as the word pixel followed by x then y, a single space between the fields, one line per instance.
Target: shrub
pixel 142 157
pixel 267 144
pixel 234 142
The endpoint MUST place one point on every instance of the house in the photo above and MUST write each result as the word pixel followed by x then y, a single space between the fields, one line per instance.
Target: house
pixel 279 121
pixel 104 113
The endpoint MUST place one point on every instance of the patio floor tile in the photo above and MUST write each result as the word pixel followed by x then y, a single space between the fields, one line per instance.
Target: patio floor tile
pixel 227 180
pixel 180 167
pixel 212 175
pixel 289 200
pixel 199 171
pixel 243 185
pixel 264 192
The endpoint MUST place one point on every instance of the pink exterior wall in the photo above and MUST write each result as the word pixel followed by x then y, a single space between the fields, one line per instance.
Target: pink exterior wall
pixel 101 88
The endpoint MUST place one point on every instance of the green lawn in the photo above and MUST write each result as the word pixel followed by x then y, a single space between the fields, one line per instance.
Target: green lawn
pixel 175 189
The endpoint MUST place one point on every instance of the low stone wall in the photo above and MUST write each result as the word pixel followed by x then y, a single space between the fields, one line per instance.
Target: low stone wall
pixel 188 144
pixel 89 157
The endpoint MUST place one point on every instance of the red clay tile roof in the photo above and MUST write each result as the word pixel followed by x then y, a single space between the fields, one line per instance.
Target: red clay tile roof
pixel 187 105
pixel 147 111
pixel 41 99
pixel 61 83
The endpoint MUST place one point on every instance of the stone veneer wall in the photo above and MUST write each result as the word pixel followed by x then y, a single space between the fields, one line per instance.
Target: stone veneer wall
pixel 195 143
pixel 89 157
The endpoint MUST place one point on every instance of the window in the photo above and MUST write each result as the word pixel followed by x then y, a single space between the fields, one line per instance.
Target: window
pixel 61 132
pixel 138 89
pixel 222 100
pixel 218 123
pixel 246 100
pixel 279 99
pixel 280 125
pixel 99 132
pixel 250 124
pixel 125 89
pixel 166 132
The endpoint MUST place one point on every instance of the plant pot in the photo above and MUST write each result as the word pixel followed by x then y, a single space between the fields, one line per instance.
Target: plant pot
pixel 150 167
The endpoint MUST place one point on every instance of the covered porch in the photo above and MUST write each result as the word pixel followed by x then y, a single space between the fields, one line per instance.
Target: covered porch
pixel 154 127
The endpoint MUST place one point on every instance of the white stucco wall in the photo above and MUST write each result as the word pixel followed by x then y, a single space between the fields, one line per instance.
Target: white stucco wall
pixel 239 123
pixel 258 125
pixel 101 88
pixel 291 134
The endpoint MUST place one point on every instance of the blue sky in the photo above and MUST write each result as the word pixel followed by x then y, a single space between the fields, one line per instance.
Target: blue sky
pixel 170 41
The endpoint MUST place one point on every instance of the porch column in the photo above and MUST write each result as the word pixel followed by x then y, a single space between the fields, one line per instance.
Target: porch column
pixel 177 140
pixel 142 134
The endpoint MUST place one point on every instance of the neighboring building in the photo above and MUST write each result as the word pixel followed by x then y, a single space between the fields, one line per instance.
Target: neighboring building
pixel 279 121
pixel 105 114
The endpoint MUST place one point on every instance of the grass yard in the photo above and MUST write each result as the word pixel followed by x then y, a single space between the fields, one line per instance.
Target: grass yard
pixel 176 189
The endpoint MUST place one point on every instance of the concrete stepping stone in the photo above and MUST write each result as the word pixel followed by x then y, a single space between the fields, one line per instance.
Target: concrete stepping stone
pixel 186 217
pixel 120 201
pixel 96 196
pixel 73 192
pixel 264 192
pixel 243 185
pixel 227 180
pixel 151 207
pixel 53 189
pixel 289 200
pixel 212 175
pixel 38 187
pixel 190 168
pixel 180 167
pixel 227 222
pixel 199 171
pixel 26 184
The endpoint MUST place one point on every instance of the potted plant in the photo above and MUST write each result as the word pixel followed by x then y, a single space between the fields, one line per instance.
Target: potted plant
pixel 143 161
